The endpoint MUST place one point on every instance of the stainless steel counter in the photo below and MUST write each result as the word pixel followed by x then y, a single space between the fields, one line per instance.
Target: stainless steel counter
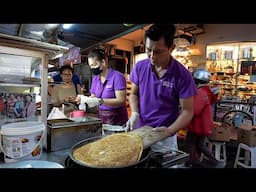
pixel 57 157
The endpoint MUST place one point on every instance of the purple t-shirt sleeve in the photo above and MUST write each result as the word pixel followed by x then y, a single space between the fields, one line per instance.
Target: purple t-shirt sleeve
pixel 186 86
pixel 134 75
pixel 119 82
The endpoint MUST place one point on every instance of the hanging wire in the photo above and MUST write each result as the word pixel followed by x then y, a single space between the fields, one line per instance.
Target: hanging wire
pixel 142 45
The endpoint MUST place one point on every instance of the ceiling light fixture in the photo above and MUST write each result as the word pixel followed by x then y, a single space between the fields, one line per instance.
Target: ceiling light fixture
pixel 66 26
pixel 128 24
pixel 53 25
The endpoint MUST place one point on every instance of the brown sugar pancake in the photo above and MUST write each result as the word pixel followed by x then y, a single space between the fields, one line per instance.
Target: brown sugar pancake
pixel 116 150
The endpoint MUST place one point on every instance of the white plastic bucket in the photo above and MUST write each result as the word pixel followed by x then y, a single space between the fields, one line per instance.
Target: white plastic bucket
pixel 22 140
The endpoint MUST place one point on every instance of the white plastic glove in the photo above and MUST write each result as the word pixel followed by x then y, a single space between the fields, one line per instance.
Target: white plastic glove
pixel 131 123
pixel 81 100
pixel 91 101
pixel 82 106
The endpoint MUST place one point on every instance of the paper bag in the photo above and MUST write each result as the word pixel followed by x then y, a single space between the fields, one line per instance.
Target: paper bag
pixel 56 113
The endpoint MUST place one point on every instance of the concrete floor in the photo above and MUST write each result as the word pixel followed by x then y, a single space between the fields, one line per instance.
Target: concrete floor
pixel 231 150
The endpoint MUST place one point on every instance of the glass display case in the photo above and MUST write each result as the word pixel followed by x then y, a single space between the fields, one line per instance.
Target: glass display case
pixel 228 57
pixel 233 67
pixel 23 78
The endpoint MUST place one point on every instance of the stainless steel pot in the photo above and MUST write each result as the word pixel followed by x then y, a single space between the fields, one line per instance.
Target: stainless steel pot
pixel 144 157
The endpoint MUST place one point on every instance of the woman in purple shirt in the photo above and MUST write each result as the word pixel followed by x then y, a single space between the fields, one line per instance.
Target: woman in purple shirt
pixel 108 88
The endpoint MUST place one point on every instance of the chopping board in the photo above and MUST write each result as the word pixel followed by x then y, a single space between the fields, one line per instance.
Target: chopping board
pixel 148 136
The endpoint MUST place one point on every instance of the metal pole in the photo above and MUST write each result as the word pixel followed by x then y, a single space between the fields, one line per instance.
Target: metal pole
pixel 237 73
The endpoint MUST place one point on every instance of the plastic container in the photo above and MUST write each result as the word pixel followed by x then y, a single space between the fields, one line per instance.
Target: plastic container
pixel 22 140
pixel 77 113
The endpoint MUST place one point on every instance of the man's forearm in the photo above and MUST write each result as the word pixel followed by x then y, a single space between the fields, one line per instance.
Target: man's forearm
pixel 114 102
pixel 134 103
pixel 181 122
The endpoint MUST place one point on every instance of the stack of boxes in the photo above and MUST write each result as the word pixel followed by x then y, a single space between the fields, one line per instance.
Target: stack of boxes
pixel 247 134
pixel 220 132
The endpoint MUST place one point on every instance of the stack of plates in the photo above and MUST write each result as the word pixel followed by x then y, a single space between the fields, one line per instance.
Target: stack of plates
pixel 108 127
pixel 32 164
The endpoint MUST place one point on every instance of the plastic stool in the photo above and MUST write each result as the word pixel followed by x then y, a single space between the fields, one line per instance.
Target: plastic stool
pixel 249 158
pixel 218 148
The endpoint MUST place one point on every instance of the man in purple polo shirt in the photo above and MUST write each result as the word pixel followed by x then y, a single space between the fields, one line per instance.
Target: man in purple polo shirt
pixel 108 90
pixel 162 88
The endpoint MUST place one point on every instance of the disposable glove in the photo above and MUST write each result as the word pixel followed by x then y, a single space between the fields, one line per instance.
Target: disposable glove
pixel 91 101
pixel 82 106
pixel 131 123
pixel 80 99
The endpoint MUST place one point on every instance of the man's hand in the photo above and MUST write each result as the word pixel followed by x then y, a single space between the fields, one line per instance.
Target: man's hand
pixel 164 129
pixel 131 123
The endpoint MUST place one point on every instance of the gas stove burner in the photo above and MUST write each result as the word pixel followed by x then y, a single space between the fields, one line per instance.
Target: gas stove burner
pixel 168 159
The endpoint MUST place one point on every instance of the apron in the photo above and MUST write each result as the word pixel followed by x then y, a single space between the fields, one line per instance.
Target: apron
pixel 166 145
pixel 118 116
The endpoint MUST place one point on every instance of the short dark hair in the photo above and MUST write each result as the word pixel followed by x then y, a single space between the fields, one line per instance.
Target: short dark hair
pixel 99 53
pixel 66 67
pixel 167 31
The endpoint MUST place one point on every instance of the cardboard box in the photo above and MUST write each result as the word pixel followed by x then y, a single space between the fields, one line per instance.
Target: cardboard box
pixel 220 132
pixel 247 135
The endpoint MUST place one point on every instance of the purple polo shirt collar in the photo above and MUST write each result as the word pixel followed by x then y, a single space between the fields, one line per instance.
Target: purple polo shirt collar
pixel 169 67
pixel 110 73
